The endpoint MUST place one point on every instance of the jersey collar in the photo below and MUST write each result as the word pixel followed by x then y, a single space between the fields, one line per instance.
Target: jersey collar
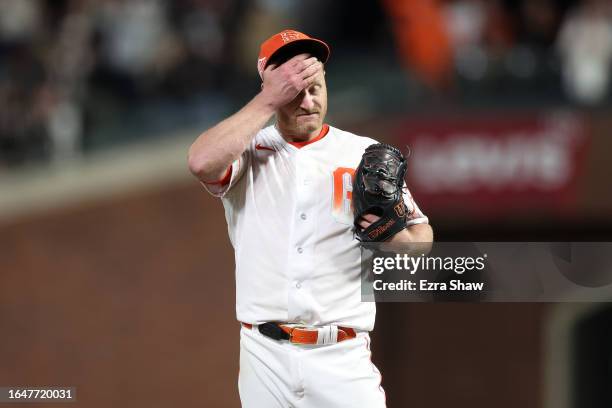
pixel 322 133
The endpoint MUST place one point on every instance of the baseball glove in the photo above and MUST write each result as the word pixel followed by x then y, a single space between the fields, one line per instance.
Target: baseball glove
pixel 377 190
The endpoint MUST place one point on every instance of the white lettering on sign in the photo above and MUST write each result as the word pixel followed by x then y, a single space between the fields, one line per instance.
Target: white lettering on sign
pixel 462 163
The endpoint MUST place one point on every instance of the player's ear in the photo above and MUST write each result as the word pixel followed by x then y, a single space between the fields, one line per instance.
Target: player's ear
pixel 269 68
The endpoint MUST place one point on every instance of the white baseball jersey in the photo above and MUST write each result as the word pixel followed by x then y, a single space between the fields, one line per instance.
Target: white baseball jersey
pixel 290 219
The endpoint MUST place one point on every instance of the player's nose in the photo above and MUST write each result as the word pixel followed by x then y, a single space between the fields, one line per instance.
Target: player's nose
pixel 307 102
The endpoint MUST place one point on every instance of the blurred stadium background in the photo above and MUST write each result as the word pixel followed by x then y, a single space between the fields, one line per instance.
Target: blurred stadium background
pixel 116 274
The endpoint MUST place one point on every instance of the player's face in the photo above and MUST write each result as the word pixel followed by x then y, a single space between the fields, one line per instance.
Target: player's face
pixel 303 117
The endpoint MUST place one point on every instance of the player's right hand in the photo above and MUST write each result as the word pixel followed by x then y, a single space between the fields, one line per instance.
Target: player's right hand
pixel 281 84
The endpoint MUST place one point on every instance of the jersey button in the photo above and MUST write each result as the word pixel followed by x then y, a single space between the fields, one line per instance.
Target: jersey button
pixel 300 250
pixel 303 216
pixel 298 285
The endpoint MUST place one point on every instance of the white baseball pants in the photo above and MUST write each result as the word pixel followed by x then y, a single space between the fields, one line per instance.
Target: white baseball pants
pixel 279 374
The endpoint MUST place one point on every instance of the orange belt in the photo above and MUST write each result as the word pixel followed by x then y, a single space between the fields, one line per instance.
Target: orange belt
pixel 302 335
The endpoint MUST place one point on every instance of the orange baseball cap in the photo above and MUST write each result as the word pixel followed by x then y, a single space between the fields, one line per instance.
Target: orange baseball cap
pixel 287 44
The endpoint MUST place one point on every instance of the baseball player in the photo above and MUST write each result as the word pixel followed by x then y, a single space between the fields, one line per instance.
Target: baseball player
pixel 286 189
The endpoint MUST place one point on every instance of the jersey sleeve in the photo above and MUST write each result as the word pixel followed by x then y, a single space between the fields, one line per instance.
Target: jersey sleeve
pixel 415 215
pixel 233 174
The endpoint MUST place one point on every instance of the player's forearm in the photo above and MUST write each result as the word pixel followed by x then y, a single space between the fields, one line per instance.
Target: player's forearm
pixel 215 149
pixel 419 235
pixel 415 233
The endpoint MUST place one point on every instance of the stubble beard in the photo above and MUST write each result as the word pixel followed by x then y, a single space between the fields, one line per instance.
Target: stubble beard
pixel 305 129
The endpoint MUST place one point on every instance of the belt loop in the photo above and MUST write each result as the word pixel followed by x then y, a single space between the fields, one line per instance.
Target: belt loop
pixel 327 335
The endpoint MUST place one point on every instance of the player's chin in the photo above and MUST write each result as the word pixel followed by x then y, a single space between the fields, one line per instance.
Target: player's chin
pixel 308 123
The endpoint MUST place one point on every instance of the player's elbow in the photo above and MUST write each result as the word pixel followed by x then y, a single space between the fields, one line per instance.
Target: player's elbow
pixel 200 162
pixel 195 162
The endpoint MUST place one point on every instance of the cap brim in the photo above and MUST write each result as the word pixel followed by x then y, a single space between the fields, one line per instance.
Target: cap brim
pixel 311 46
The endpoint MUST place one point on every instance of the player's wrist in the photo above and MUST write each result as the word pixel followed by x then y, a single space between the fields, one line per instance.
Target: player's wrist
pixel 402 236
pixel 266 102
